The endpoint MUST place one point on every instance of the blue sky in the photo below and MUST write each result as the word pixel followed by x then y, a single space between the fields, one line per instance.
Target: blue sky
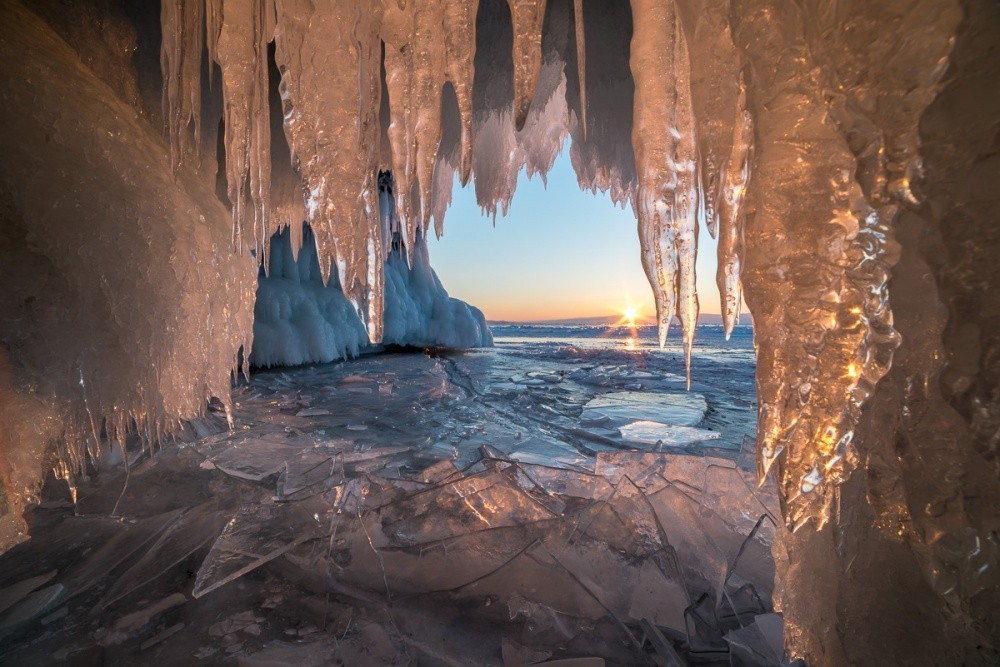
pixel 561 252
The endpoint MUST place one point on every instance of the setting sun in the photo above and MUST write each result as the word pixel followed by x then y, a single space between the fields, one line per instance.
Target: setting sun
pixel 630 314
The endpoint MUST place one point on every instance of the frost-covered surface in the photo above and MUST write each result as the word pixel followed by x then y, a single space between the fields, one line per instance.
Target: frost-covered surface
pixel 299 320
pixel 419 312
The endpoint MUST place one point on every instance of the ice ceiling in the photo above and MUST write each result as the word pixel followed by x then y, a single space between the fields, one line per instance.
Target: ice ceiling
pixel 808 136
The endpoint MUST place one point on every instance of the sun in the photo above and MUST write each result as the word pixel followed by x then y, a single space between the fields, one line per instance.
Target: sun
pixel 630 314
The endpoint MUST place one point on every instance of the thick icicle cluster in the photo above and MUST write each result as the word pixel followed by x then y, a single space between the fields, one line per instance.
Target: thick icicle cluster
pixel 663 113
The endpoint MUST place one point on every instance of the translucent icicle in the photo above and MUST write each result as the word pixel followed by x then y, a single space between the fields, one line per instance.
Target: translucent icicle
pixel 180 63
pixel 430 61
pixel 460 41
pixel 715 76
pixel 581 61
pixel 731 217
pixel 687 199
pixel 527 16
pixel 331 116
pixel 397 33
pixel 241 50
pixel 666 162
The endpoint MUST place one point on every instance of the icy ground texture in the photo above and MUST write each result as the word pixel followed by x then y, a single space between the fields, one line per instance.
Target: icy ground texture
pixel 454 509
pixel 299 320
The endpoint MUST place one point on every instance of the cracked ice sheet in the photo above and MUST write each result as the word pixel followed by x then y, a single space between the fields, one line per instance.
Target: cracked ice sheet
pixel 656 434
pixel 679 409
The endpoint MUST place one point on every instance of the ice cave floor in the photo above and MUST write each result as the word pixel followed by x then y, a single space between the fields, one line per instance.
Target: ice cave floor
pixel 492 507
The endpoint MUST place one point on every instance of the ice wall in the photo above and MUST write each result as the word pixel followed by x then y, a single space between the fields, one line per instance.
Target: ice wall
pixel 124 306
pixel 299 320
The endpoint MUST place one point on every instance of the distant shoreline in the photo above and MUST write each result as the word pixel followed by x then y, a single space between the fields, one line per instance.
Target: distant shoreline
pixel 613 320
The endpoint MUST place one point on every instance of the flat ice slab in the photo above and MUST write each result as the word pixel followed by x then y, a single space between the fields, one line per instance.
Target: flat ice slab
pixel 681 409
pixel 654 433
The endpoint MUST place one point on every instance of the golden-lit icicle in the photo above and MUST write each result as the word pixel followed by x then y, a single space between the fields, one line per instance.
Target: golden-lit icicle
pixel 213 24
pixel 397 32
pixel 180 63
pixel 527 17
pixel 581 61
pixel 430 61
pixel 460 42
pixel 246 29
pixel 828 106
pixel 331 118
pixel 666 163
pixel 687 199
pixel 715 76
pixel 731 217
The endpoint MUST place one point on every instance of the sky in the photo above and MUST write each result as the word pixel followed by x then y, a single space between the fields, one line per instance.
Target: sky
pixel 560 253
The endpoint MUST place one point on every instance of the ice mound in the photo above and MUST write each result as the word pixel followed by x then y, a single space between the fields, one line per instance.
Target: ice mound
pixel 418 310
pixel 298 320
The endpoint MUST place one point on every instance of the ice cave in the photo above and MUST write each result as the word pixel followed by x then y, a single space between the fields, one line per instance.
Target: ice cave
pixel 243 421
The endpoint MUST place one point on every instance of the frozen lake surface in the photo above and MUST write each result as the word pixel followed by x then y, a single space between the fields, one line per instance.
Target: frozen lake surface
pixel 559 495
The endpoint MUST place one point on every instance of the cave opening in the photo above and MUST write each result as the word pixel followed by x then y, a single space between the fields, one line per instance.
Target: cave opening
pixel 546 499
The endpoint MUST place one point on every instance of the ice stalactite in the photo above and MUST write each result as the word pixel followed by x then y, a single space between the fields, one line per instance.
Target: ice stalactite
pixel 241 48
pixel 141 304
pixel 603 158
pixel 500 149
pixel 527 17
pixel 663 137
pixel 180 62
pixel 581 60
pixel 416 61
pixel 731 215
pixel 213 26
pixel 332 125
pixel 460 40
pixel 817 251
pixel 715 84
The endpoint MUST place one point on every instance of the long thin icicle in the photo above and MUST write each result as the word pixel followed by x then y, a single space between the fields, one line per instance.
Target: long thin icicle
pixel 241 50
pixel 715 76
pixel 460 40
pixel 581 61
pixel 213 25
pixel 180 62
pixel 527 17
pixel 666 159
pixel 731 217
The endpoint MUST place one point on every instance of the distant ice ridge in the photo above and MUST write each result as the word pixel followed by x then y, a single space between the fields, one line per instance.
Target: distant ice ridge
pixel 299 321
